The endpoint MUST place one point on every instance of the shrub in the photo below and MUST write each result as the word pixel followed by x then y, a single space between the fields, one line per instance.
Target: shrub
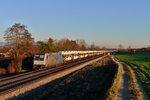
pixel 3 71
pixel 11 68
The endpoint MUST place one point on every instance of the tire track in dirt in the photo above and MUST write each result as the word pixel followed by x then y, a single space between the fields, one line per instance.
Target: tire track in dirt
pixel 123 93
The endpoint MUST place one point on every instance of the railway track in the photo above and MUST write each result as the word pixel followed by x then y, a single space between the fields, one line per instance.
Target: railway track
pixel 14 82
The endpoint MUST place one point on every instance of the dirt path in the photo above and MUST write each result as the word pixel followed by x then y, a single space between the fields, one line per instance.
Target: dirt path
pixel 123 93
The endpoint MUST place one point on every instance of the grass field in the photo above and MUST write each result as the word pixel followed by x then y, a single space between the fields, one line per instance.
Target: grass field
pixel 140 62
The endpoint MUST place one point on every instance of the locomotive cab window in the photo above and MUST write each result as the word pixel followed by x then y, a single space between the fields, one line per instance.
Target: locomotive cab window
pixel 36 57
pixel 39 57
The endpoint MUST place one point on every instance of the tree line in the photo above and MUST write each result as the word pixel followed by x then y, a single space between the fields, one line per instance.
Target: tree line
pixel 64 44
pixel 23 46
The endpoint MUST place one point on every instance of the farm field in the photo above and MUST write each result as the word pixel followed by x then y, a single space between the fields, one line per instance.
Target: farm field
pixel 91 82
pixel 140 62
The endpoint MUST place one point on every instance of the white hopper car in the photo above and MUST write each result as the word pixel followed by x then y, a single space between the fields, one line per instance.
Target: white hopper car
pixel 45 60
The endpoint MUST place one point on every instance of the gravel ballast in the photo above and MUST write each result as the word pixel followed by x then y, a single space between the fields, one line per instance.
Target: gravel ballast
pixel 23 91
pixel 89 83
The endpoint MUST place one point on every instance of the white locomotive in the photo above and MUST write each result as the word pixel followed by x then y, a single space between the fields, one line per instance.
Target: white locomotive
pixel 45 60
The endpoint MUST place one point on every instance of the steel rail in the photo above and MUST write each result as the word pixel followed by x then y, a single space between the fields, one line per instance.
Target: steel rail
pixel 19 76
pixel 27 74
pixel 25 81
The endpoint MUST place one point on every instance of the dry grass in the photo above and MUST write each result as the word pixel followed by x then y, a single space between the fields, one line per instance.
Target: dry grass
pixel 94 80
pixel 113 91
pixel 135 93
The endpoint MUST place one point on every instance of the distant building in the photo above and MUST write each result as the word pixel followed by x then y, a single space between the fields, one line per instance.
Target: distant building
pixel 148 48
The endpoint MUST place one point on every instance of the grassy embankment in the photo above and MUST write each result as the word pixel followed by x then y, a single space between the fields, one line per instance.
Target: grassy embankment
pixel 140 62
pixel 94 82
pixel 113 90
pixel 135 93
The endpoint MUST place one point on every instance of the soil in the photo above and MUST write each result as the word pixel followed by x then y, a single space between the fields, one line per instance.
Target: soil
pixel 123 93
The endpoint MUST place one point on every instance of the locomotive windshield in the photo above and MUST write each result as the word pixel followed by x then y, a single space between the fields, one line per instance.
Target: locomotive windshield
pixel 39 57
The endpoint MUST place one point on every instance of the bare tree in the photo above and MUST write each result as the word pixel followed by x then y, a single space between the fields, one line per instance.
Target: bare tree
pixel 82 43
pixel 22 41
pixel 121 49
pixel 65 44
pixel 148 48
pixel 103 48
pixel 92 47
pixel 129 49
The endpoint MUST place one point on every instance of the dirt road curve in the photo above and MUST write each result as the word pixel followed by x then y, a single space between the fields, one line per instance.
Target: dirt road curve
pixel 123 93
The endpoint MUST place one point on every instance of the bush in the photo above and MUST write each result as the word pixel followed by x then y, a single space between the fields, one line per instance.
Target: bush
pixel 11 68
pixel 3 71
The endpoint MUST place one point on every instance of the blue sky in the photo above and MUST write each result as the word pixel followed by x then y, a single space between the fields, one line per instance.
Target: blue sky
pixel 104 22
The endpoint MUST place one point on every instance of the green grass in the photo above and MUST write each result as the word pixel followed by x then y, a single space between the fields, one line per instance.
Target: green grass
pixel 135 93
pixel 140 62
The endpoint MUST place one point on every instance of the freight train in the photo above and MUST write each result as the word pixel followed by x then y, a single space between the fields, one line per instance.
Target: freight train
pixel 47 60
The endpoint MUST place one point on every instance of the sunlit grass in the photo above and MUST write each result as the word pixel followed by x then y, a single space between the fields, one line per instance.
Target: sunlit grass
pixel 140 62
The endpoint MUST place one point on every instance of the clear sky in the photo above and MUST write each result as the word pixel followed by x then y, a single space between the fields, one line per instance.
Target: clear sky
pixel 104 22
